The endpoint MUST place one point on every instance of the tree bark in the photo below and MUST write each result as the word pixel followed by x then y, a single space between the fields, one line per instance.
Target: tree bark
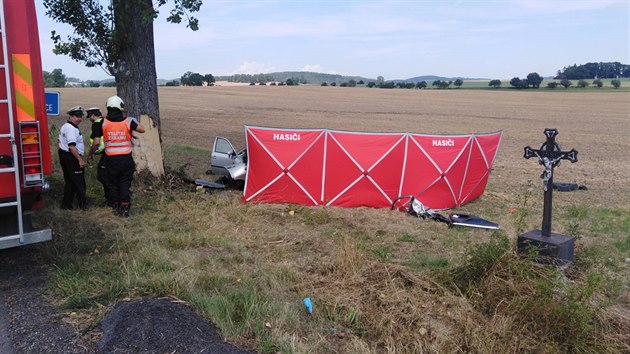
pixel 136 78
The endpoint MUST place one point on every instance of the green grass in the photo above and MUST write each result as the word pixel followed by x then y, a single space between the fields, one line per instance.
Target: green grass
pixel 406 237
pixel 247 267
pixel 422 261
pixel 184 160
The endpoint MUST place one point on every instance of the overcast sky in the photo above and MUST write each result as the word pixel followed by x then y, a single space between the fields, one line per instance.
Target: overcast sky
pixel 494 39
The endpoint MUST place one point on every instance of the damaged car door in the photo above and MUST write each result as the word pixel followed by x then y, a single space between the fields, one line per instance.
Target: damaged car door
pixel 225 161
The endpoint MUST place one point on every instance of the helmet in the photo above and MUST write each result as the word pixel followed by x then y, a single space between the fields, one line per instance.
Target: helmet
pixel 115 102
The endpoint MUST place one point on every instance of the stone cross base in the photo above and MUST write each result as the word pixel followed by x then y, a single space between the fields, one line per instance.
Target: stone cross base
pixel 556 249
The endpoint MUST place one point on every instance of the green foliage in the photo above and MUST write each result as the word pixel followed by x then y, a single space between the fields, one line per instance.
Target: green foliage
pixel 314 216
pixel 180 9
pixel 387 85
pixel 582 83
pixel 91 42
pixel 195 79
pixel 251 78
pixel 237 307
pixel 593 70
pixel 522 211
pixel 407 238
pixel 495 83
pixel 421 85
pixel 623 245
pixel 422 260
pixel 534 79
pixel 441 84
pixel 536 297
pixel 598 83
pixel 383 253
pixel 480 258
pixel 458 83
pixel 56 78
pixel 84 284
pixel 99 37
pixel 616 83
pixel 518 83
pixel 566 83
pixel 552 85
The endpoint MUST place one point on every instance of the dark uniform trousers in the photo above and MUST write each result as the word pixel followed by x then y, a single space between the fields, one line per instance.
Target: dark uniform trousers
pixel 74 178
pixel 120 169
pixel 101 176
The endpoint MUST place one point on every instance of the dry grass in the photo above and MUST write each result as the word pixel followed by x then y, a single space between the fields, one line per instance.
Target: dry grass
pixel 371 272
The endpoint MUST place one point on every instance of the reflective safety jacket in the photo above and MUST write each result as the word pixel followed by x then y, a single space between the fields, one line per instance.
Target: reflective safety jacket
pixel 117 136
pixel 101 146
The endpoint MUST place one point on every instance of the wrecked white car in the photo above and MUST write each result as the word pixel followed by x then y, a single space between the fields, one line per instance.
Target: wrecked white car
pixel 226 162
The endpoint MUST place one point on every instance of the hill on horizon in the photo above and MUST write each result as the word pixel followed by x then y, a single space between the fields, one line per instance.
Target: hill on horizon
pixel 428 78
pixel 318 78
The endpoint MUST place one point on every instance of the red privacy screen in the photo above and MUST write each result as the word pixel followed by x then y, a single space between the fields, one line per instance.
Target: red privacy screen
pixel 352 169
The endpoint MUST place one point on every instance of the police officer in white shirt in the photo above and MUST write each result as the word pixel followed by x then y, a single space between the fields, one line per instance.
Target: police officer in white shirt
pixel 71 160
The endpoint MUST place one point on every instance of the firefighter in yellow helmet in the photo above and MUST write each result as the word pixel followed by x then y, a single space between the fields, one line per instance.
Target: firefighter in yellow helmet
pixel 98 148
pixel 116 131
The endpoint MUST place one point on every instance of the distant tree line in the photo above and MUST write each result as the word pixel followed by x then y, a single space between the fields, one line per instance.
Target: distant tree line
pixel 256 78
pixel 534 80
pixel 55 78
pixel 301 77
pixel 193 79
pixel 614 70
pixel 589 71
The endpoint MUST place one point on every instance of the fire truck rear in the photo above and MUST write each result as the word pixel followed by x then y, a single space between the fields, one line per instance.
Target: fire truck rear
pixel 25 157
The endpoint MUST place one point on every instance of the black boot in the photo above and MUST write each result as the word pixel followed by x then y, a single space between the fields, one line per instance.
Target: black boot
pixel 115 208
pixel 123 210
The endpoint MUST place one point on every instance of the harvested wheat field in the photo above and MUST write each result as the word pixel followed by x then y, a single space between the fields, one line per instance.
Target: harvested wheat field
pixel 380 280
pixel 595 124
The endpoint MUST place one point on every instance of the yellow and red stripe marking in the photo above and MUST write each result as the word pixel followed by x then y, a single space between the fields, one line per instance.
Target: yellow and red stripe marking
pixel 23 85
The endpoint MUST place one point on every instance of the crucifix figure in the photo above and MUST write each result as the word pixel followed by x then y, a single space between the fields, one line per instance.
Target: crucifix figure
pixel 549 155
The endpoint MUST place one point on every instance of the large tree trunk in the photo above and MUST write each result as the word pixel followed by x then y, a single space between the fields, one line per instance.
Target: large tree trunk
pixel 136 79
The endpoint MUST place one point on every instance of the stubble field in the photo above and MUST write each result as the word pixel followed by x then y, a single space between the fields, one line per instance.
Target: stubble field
pixel 595 124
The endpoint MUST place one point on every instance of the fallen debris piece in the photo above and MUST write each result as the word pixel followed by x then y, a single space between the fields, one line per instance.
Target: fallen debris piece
pixel 207 184
pixel 471 221
pixel 568 187
pixel 308 304
pixel 416 208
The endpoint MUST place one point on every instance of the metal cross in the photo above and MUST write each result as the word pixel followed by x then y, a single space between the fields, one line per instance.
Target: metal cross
pixel 549 155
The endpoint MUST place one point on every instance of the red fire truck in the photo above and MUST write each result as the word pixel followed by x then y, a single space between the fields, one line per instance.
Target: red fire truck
pixel 25 157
